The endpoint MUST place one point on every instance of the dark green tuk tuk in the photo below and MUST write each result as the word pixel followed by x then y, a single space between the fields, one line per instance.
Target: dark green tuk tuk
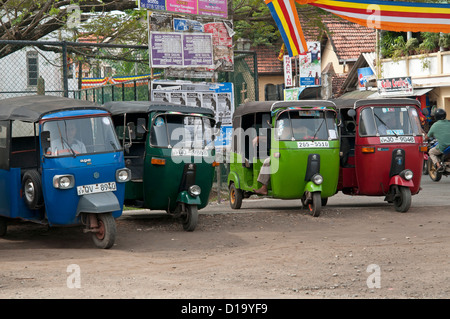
pixel 170 151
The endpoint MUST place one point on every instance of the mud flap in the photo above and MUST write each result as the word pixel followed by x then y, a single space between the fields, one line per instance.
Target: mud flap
pixel 98 203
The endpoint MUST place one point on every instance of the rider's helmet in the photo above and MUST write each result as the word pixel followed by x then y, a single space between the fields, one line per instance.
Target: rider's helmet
pixel 440 114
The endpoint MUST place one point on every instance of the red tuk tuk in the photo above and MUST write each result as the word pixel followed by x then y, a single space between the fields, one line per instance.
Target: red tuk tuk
pixel 381 149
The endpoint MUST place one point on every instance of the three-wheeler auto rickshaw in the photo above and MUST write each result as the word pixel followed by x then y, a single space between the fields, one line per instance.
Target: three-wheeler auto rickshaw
pixel 61 164
pixel 170 151
pixel 381 149
pixel 302 143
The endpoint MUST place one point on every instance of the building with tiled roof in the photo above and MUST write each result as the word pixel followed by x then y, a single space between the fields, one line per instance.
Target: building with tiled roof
pixel 342 42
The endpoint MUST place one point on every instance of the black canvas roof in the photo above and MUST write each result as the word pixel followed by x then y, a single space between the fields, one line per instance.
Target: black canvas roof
pixel 351 103
pixel 264 106
pixel 31 108
pixel 122 107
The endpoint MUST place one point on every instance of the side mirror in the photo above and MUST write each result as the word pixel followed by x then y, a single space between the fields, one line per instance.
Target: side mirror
pixel 141 129
pixel 45 140
pixel 351 113
pixel 339 120
pixel 426 111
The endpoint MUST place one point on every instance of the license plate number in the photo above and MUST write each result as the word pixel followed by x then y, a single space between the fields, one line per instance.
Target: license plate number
pixel 312 144
pixel 189 152
pixel 399 139
pixel 96 188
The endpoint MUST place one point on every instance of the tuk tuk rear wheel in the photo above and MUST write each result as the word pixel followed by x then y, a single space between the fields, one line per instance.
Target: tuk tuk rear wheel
pixel 235 197
pixel 32 189
pixel 105 234
pixel 402 202
pixel 190 220
pixel 316 205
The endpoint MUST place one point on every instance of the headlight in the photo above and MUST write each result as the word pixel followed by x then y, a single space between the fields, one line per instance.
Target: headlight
pixel 194 190
pixel 317 179
pixel 407 174
pixel 123 175
pixel 63 181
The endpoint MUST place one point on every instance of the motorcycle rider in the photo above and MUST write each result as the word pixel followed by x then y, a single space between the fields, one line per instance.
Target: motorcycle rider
pixel 441 131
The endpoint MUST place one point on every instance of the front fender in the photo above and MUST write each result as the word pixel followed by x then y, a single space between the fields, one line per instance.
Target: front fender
pixel 233 177
pixel 312 187
pixel 98 203
pixel 397 180
pixel 184 197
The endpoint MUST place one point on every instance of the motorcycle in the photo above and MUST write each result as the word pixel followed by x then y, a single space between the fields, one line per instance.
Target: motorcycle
pixel 444 160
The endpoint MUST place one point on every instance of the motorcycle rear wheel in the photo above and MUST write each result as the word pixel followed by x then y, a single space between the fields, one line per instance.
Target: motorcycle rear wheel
pixel 432 172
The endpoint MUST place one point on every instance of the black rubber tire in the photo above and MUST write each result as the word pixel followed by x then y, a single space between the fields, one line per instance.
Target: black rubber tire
pixel 235 197
pixel 32 189
pixel 432 172
pixel 403 202
pixel 190 220
pixel 107 237
pixel 316 206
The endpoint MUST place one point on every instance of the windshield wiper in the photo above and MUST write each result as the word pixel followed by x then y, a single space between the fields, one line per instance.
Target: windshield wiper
pixel 63 140
pixel 318 129
pixel 382 122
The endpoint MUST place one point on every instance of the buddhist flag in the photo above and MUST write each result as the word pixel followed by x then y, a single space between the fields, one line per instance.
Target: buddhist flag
pixel 390 15
pixel 285 15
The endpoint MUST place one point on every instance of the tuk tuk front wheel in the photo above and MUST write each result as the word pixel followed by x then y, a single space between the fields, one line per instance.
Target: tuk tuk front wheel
pixel 315 205
pixel 402 200
pixel 190 218
pixel 235 197
pixel 104 235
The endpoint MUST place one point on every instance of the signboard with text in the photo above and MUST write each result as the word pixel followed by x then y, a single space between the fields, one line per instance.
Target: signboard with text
pixel 310 66
pixel 216 8
pixel 395 86
pixel 287 66
pixel 174 49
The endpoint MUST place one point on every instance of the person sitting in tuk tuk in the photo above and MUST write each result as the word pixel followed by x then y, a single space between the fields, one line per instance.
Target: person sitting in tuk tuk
pixel 62 145
pixel 441 131
pixel 299 132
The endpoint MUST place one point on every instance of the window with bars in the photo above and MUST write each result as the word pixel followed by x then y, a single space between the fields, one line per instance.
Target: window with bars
pixel 32 68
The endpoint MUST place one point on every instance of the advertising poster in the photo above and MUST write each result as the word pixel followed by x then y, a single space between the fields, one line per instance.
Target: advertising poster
pixel 160 96
pixel 310 66
pixel 197 50
pixel 220 50
pixel 395 86
pixel 193 99
pixel 208 100
pixel 166 49
pixel 173 49
pixel 178 97
pixel 214 8
pixel 292 94
pixel 364 76
pixel 215 96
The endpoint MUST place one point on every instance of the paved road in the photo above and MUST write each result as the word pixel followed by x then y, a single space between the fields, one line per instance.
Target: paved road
pixel 432 194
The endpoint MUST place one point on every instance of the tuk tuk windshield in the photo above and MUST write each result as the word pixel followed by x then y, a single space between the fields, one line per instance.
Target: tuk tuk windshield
pixel 306 125
pixel 389 121
pixel 181 131
pixel 72 137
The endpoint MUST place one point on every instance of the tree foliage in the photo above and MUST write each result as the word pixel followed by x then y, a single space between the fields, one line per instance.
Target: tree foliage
pixel 34 19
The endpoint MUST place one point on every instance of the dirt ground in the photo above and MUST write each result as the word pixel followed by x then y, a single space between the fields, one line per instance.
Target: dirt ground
pixel 269 249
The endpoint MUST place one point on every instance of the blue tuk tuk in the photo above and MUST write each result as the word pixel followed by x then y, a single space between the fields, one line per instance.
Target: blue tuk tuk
pixel 61 164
